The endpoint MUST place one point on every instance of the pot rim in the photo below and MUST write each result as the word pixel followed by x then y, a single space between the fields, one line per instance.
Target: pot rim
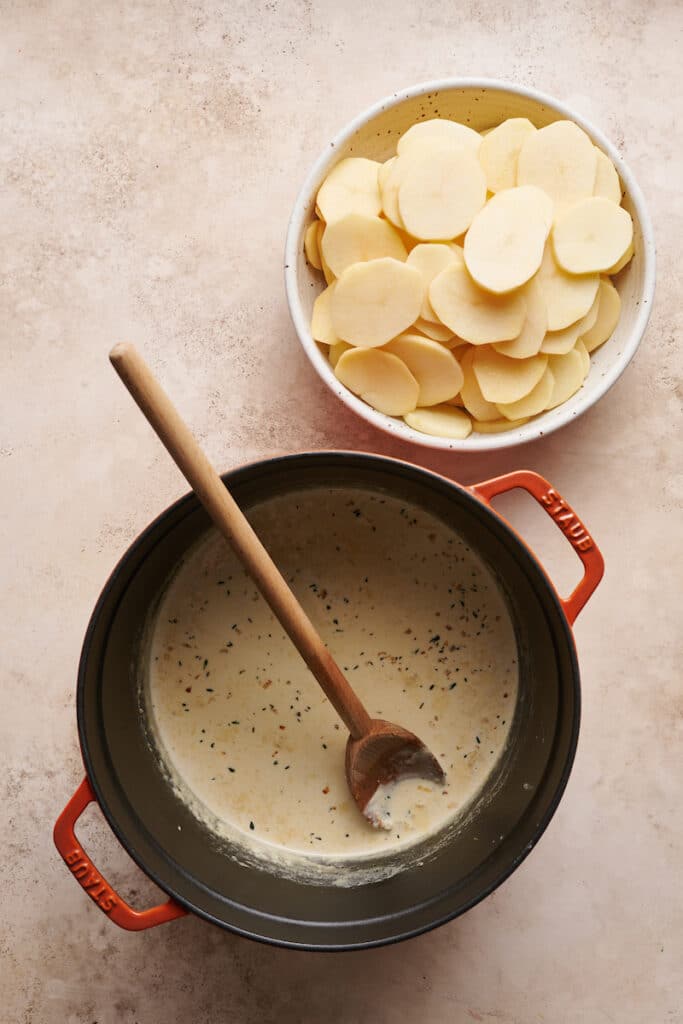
pixel 543 821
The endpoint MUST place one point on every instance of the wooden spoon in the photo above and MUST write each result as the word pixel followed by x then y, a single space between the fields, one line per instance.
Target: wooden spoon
pixel 377 752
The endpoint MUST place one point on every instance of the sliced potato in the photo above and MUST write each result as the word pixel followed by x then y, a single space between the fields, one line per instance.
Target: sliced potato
pixel 497 426
pixel 607 182
pixel 311 244
pixel 373 302
pixel 435 369
pixel 533 403
pixel 529 341
pixel 440 193
pixel 470 392
pixel 473 314
pixel 592 236
pixel 357 238
pixel 436 331
pixel 380 379
pixel 569 374
pixel 321 319
pixel 383 172
pixel 430 258
pixel 448 134
pixel 389 182
pixel 499 152
pixel 327 273
pixel 350 187
pixel 337 351
pixel 557 343
pixel 456 345
pixel 567 297
pixel 505 242
pixel 503 380
pixel 392 175
pixel 609 308
pixel 441 421
pixel 561 160
pixel 585 358
pixel 620 264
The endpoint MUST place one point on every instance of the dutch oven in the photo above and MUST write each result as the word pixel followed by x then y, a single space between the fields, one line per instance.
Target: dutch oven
pixel 124 775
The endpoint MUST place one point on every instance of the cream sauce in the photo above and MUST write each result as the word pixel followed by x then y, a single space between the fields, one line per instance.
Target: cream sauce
pixel 414 618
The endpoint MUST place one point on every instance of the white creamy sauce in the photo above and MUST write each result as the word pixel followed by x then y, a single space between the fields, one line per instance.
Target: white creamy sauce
pixel 414 618
pixel 408 804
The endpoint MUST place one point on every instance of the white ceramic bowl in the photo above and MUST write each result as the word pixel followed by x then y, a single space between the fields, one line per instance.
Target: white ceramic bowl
pixel 481 103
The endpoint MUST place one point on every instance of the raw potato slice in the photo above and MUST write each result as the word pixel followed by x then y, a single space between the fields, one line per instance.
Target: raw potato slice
pixel 357 238
pixel 436 371
pixel 311 244
pixel 449 134
pixel 436 331
pixel 567 297
pixel 455 344
pixel 626 258
pixel 499 152
pixel 561 160
pixel 380 379
pixel 585 358
pixel 337 351
pixel 440 193
pixel 430 258
pixel 470 392
pixel 529 342
pixel 505 242
pixel 321 319
pixel 329 276
pixel 505 380
pixel 350 187
pixel 441 421
pixel 607 182
pixel 373 302
pixel 473 314
pixel 391 175
pixel 558 343
pixel 569 374
pixel 533 403
pixel 389 182
pixel 592 236
pixel 498 426
pixel 609 308
pixel 383 172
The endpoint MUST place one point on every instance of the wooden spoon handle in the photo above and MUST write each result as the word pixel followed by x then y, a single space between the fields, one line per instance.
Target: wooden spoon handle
pixel 228 517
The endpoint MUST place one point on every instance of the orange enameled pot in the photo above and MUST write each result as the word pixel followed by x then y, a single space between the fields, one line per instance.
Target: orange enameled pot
pixel 175 849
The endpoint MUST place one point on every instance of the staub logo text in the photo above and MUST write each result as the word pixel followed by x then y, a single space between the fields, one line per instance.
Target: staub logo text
pixel 568 521
pixel 94 884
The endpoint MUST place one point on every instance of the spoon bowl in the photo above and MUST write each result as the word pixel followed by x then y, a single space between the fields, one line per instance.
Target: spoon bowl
pixel 383 756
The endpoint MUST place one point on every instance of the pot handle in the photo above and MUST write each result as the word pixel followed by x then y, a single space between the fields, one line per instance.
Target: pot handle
pixel 88 877
pixel 565 518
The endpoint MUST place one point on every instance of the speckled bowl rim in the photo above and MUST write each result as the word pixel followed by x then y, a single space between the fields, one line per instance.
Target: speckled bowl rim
pixel 536 427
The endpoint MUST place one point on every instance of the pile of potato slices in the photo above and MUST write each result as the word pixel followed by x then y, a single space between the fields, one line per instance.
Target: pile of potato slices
pixel 468 276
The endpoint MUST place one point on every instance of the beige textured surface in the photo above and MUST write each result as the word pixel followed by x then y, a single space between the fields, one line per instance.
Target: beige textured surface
pixel 149 156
